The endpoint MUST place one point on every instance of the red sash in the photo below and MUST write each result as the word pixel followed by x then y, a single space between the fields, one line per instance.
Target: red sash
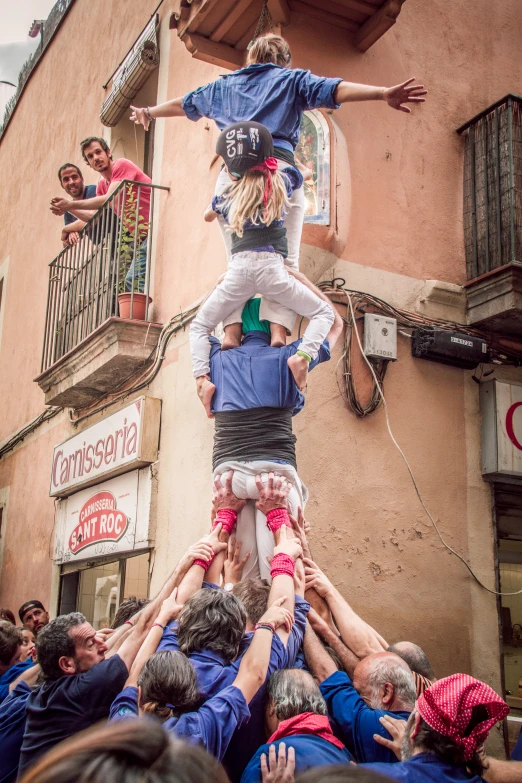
pixel 306 723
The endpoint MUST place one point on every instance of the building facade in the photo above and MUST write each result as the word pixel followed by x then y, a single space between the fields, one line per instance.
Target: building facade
pixel 105 459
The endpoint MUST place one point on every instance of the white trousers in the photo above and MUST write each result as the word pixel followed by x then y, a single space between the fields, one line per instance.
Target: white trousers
pixel 293 222
pixel 251 528
pixel 250 273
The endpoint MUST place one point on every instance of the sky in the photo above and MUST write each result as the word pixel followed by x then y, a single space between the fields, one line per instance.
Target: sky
pixel 16 18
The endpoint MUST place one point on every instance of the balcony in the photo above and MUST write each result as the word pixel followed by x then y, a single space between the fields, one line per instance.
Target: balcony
pixel 219 32
pixel 493 216
pixel 93 340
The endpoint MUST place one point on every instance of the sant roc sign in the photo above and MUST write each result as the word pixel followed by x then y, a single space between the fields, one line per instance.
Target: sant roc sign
pixel 124 441
pixel 501 407
pixel 109 518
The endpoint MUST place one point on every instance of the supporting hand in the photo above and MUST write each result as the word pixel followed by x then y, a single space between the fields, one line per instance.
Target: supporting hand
pixel 273 494
pixel 404 93
pixel 280 768
pixel 301 529
pixel 317 579
pixel 139 117
pixel 288 546
pixel 396 729
pixel 233 568
pixel 59 206
pixel 224 497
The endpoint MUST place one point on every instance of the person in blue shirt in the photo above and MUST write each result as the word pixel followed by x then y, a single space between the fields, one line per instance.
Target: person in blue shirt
pixel 445 733
pixel 268 90
pixel 12 727
pixel 164 684
pixel 296 715
pixel 253 406
pixel 11 665
pixel 382 684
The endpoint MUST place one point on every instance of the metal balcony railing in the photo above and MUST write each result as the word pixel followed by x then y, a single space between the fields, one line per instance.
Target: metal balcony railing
pixel 493 187
pixel 111 257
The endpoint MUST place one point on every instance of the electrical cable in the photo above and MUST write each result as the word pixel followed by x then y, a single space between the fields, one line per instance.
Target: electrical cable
pixel 394 441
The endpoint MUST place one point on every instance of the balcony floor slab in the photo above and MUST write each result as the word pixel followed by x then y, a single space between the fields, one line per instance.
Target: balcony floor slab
pixel 494 301
pixel 100 363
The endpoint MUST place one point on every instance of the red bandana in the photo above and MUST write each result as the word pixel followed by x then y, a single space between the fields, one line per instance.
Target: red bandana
pixel 448 708
pixel 268 167
pixel 306 723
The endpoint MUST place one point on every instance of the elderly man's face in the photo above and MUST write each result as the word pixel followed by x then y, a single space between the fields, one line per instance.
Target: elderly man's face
pixel 407 744
pixel 89 650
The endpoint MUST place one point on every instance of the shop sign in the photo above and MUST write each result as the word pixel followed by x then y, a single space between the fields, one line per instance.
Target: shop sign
pixel 501 407
pixel 126 440
pixel 108 518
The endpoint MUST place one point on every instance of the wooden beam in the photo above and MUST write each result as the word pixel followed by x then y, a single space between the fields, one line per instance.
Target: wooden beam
pixel 212 52
pixel 197 11
pixel 360 6
pixel 342 10
pixel 378 24
pixel 230 20
pixel 279 11
pixel 324 16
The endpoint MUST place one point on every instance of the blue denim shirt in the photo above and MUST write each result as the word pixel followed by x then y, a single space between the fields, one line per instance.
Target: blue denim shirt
pixel 265 93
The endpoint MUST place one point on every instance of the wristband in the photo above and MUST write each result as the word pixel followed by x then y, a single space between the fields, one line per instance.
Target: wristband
pixel 226 517
pixel 277 518
pixel 148 114
pixel 267 626
pixel 158 625
pixel 282 564
pixel 205 564
pixel 304 355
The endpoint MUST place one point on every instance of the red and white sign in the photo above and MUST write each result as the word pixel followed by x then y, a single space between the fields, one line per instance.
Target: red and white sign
pixel 111 517
pixel 124 441
pixel 501 407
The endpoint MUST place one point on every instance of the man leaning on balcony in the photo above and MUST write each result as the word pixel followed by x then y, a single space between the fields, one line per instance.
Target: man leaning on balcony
pixel 71 180
pixel 131 205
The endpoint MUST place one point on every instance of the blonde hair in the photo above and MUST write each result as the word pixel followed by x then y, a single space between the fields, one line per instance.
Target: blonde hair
pixel 244 200
pixel 270 49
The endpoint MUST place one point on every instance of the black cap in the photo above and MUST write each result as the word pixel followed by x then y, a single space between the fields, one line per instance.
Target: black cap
pixel 27 606
pixel 244 145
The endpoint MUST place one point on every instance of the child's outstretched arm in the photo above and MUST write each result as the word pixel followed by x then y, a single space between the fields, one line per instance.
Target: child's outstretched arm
pixel 209 214
pixel 394 96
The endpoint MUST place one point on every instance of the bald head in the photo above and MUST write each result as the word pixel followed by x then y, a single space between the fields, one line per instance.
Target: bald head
pixel 385 682
pixel 415 657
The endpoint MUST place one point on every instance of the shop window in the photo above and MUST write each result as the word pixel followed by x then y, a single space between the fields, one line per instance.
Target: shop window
pixel 97 591
pixel 313 151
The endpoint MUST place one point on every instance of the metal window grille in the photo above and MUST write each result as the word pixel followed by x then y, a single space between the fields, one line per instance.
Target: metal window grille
pixel 112 257
pixel 493 187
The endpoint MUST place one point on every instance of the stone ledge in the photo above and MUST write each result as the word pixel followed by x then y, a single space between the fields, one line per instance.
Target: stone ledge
pixel 99 363
pixel 494 300
pixel 439 299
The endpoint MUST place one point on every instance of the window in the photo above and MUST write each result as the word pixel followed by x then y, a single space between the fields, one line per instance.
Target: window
pixel 313 151
pixel 97 591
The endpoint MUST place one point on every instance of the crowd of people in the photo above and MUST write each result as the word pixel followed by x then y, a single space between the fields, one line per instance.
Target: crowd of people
pixel 248 665
pixel 223 676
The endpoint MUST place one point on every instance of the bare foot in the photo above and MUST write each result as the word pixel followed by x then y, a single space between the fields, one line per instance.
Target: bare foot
pixel 277 335
pixel 206 390
pixel 299 369
pixel 232 338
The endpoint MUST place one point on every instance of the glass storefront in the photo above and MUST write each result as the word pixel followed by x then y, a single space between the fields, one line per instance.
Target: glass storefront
pixel 98 589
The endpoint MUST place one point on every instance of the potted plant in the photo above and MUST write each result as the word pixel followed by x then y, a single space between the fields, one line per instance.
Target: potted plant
pixel 135 298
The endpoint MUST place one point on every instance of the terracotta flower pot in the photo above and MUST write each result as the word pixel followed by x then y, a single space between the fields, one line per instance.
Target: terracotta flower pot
pixel 140 302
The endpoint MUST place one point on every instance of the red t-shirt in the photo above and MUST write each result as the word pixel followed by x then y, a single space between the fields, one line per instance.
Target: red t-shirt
pixel 126 169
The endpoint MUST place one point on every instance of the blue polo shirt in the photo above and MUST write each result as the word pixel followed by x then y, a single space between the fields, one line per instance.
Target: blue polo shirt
pixel 211 726
pixel 11 675
pixel 310 751
pixel 12 727
pixel 357 721
pixel 62 707
pixel 266 93
pixel 516 754
pixel 255 375
pixel 424 768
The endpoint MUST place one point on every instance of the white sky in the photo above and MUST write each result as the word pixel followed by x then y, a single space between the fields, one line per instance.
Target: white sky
pixel 16 18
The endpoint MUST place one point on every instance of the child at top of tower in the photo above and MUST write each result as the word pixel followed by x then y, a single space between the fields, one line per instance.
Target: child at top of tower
pixel 254 206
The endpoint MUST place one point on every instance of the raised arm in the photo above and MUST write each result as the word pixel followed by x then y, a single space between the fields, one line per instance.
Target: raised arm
pixel 202 553
pixel 355 632
pixel 319 662
pixel 254 663
pixel 321 628
pixel 395 97
pixel 143 116
pixel 226 506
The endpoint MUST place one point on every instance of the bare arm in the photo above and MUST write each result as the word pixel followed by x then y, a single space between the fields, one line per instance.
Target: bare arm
pixel 223 498
pixel 77 208
pixel 498 771
pixel 338 325
pixel 209 215
pixel 355 632
pixel 254 663
pixel 317 659
pixel 171 108
pixel 76 226
pixel 168 612
pixel 395 97
pixel 322 629
pixel 195 575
